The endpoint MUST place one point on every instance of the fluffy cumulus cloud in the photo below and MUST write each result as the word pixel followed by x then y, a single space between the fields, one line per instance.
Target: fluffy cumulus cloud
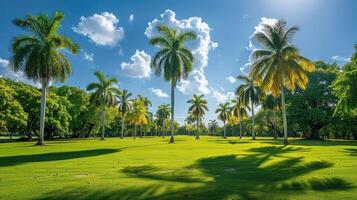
pixel 221 96
pixel 341 59
pixel 139 67
pixel 101 29
pixel 158 92
pixel 231 79
pixel 197 82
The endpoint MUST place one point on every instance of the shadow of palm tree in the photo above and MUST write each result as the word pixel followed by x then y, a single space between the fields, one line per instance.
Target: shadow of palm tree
pixel 352 152
pixel 21 159
pixel 306 142
pixel 249 176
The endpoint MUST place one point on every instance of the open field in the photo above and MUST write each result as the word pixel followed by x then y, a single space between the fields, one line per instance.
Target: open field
pixel 211 168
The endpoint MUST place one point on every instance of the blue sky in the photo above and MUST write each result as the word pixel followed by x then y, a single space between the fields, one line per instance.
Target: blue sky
pixel 113 36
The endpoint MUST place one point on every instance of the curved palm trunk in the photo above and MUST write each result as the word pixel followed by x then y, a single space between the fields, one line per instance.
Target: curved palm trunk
pixel 122 127
pixel 103 124
pixel 286 142
pixel 197 127
pixel 224 130
pixel 172 140
pixel 42 115
pixel 253 133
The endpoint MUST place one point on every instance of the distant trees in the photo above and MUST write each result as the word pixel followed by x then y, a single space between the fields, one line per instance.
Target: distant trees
pixel 198 108
pixel 163 113
pixel 38 55
pixel 125 106
pixel 173 60
pixel 239 111
pixel 223 112
pixel 104 94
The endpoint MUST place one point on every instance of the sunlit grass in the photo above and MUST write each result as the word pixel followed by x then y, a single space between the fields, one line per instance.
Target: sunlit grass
pixel 149 168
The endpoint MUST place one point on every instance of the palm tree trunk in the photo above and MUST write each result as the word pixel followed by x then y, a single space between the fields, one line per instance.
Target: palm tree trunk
pixel 224 130
pixel 42 114
pixel 240 128
pixel 163 128
pixel 172 140
pixel 253 134
pixel 103 124
pixel 141 131
pixel 284 115
pixel 122 127
pixel 197 125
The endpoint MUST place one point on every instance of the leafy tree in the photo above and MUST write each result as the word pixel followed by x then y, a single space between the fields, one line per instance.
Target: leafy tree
pixel 313 107
pixel 213 125
pixel 271 106
pixel 198 109
pixel 103 95
pixel 223 111
pixel 173 60
pixel 239 111
pixel 163 113
pixel 249 93
pixel 125 107
pixel 39 54
pixel 12 115
pixel 279 64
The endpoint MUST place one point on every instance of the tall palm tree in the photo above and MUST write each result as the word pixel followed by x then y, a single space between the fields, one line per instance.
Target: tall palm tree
pixel 173 60
pixel 239 110
pixel 198 109
pixel 164 112
pixel 39 54
pixel 223 114
pixel 213 124
pixel 279 64
pixel 125 106
pixel 249 93
pixel 139 115
pixel 104 94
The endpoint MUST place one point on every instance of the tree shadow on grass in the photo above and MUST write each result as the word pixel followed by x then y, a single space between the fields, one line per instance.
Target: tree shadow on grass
pixel 22 159
pixel 305 142
pixel 229 141
pixel 351 152
pixel 229 177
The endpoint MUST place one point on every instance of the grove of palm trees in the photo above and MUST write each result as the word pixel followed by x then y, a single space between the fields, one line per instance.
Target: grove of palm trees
pixel 282 126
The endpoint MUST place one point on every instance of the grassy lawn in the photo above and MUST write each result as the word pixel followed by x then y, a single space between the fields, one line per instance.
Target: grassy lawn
pixel 211 168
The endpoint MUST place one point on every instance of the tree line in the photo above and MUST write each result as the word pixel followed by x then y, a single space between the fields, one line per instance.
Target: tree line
pixel 314 96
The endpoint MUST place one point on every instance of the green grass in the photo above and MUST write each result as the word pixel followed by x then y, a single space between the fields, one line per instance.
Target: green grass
pixel 209 168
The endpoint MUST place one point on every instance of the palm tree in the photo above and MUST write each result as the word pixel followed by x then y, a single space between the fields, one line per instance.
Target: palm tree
pixel 39 54
pixel 249 93
pixel 173 60
pixel 164 112
pixel 139 115
pixel 213 124
pixel 104 94
pixel 279 64
pixel 198 109
pixel 190 121
pixel 146 101
pixel 239 110
pixel 223 114
pixel 125 106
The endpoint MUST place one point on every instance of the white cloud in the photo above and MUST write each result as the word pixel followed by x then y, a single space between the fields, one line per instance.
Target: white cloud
pixel 131 18
pixel 221 96
pixel 101 29
pixel 88 56
pixel 245 69
pixel 139 67
pixel 231 79
pixel 341 59
pixel 158 92
pixel 197 82
pixel 4 62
